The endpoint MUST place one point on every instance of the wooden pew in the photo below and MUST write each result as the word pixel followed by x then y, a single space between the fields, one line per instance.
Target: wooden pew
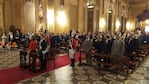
pixel 121 63
pixel 144 49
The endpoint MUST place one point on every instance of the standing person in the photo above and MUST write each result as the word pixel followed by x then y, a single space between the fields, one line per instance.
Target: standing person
pixel 32 49
pixel 48 40
pixel 17 38
pixel 72 47
pixel 87 45
pixel 74 42
pixel 107 44
pixel 98 44
pixel 33 44
pixel 78 42
pixel 4 37
pixel 71 53
pixel 139 37
pixel 10 40
pixel 43 45
pixel 132 44
pixel 118 47
pixel 10 37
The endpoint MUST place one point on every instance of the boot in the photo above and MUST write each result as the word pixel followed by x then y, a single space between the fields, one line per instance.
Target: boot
pixel 72 62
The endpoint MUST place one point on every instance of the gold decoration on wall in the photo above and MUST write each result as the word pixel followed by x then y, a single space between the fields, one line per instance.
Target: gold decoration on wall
pixel 41 16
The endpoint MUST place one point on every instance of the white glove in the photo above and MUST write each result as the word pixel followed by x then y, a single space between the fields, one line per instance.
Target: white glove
pixel 43 52
pixel 47 49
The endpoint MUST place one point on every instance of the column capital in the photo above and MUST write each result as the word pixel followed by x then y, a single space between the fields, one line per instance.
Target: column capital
pixel 2 2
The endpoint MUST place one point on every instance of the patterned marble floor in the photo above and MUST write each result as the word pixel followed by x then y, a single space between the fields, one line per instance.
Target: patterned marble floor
pixel 9 58
pixel 78 74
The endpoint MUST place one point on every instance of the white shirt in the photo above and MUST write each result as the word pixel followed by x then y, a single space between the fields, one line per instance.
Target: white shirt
pixel 71 53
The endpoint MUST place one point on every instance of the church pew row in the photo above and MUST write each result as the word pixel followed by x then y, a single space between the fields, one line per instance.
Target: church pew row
pixel 120 63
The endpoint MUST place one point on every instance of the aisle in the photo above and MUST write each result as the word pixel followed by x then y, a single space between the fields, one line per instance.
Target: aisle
pixel 16 74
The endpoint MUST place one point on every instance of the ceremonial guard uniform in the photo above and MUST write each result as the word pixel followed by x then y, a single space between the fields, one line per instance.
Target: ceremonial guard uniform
pixel 43 45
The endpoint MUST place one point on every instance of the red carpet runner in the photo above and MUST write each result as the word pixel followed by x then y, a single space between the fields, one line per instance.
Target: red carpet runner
pixel 16 74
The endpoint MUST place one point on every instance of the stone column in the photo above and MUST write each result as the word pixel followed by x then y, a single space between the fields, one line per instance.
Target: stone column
pixel 44 3
pixel 86 15
pixel 22 19
pixel 37 27
pixel 16 13
pixel 50 16
pixel 80 16
pixel 96 19
pixel 1 16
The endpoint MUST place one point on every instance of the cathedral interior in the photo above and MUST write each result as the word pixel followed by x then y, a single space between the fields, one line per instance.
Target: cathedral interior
pixel 60 16
pixel 83 16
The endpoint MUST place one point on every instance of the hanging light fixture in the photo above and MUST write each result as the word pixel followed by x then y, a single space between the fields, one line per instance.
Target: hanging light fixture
pixel 143 19
pixel 144 15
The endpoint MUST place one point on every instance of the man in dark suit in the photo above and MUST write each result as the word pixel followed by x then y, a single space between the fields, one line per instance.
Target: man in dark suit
pixel 132 44
pixel 43 45
pixel 10 37
pixel 107 44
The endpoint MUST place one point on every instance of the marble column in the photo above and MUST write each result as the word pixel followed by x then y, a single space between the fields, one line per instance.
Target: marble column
pixel 1 16
pixel 81 16
pixel 37 26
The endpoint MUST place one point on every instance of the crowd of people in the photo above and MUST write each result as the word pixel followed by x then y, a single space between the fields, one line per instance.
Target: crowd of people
pixel 108 43
pixel 10 38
